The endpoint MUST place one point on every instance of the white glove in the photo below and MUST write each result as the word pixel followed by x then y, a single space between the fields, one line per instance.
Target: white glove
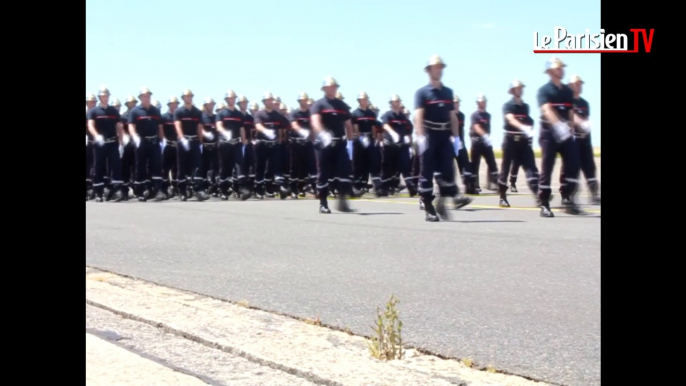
pixel 303 133
pixel 395 136
pixel 269 133
pixel 528 131
pixel 121 151
pixel 136 140
pixel 325 138
pixel 200 149
pixel 457 144
pixel 208 136
pixel 163 144
pixel 364 141
pixel 126 139
pixel 243 150
pixel 349 147
pixel 227 135
pixel 407 139
pixel 421 144
pixel 487 140
pixel 254 142
pixel 411 152
pixel 86 139
pixel 585 126
pixel 99 140
pixel 184 143
pixel 561 131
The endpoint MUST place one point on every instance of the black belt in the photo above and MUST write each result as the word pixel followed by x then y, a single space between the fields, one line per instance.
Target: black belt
pixel 151 137
pixel 191 137
pixel 436 125
pixel 297 140
pixel 111 139
pixel 267 143
pixel 171 143
pixel 231 141
pixel 515 137
pixel 209 145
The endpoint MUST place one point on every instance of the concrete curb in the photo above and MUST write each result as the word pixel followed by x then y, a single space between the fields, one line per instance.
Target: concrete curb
pixel 315 353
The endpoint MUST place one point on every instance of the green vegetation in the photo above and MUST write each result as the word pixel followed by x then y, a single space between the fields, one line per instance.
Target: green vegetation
pixel 387 342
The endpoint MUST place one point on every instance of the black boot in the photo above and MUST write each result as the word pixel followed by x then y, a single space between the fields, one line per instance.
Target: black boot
pixel 343 204
pixel 430 211
pixel 461 201
pixel 442 209
pixel 545 209
pixel 201 196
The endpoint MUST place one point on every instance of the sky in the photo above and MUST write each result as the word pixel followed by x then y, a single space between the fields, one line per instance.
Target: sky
pixel 381 47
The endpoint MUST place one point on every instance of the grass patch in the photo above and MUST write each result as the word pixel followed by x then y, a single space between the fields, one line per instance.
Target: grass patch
pixel 467 362
pixel 243 303
pixel 387 342
pixel 315 322
pixel 491 369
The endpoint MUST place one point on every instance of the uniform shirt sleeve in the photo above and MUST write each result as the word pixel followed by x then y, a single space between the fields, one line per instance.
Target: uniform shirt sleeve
pixel 588 108
pixel 177 115
pixel 542 96
pixel 419 99
pixel 451 106
pixel 507 109
pixel 385 118
pixel 293 117
pixel 116 114
pixel 316 108
pixel 286 123
pixel 91 114
pixel 474 119
pixel 258 118
pixel 353 117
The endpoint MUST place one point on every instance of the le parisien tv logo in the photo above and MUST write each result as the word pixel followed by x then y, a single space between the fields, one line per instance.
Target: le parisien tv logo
pixel 588 43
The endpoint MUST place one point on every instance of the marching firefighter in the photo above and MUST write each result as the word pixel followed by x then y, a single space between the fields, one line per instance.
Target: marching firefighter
pixel 91 100
pixel 303 166
pixel 128 154
pixel 210 158
pixel 189 131
pixel 331 126
pixel 516 147
pixel 285 154
pixel 248 148
pixel 232 138
pixel 435 124
pixel 106 130
pixel 254 108
pixel 396 157
pixel 366 155
pixel 117 105
pixel 582 142
pixel 269 123
pixel 556 101
pixel 169 150
pixel 480 131
pixel 462 157
pixel 145 129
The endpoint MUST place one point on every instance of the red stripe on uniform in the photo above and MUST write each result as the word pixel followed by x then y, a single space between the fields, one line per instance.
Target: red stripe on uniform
pixel 438 101
pixel 560 104
pixel 334 111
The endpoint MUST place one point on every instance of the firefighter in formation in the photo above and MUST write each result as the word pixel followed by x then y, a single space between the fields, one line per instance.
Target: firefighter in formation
pixel 327 149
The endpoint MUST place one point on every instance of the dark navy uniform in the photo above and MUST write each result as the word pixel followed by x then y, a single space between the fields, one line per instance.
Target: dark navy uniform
pixel 481 147
pixel 366 160
pixel 514 172
pixel 267 150
pixel 517 147
pixel 552 142
pixel 89 159
pixel 169 155
pixel 462 159
pixel 584 148
pixel 128 158
pixel 147 122
pixel 106 152
pixel 190 159
pixel 333 162
pixel 395 155
pixel 303 164
pixel 231 152
pixel 249 149
pixel 210 155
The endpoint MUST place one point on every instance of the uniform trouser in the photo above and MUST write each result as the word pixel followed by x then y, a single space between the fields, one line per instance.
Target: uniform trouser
pixel 268 159
pixel 210 165
pixel 437 159
pixel 396 161
pixel 190 163
pixel 587 165
pixel 231 160
pixel 516 148
pixel 89 166
pixel 285 161
pixel 107 157
pixel 169 165
pixel 148 162
pixel 479 149
pixel 366 163
pixel 570 165
pixel 333 164
pixel 128 166
pixel 249 165
pixel 303 166
pixel 514 172
pixel 464 165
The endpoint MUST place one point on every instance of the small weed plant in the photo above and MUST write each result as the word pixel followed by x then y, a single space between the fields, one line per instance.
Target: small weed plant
pixel 387 343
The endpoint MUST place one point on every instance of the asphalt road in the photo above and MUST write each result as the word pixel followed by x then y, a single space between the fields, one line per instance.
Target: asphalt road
pixel 501 286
